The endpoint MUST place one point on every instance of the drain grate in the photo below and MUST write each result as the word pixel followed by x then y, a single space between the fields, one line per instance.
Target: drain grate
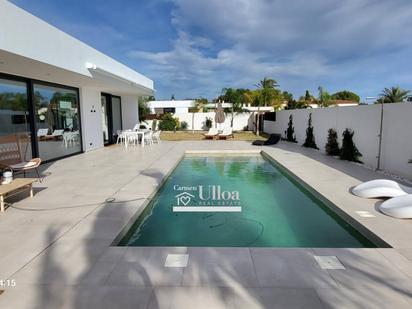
pixel 365 214
pixel 177 260
pixel 328 262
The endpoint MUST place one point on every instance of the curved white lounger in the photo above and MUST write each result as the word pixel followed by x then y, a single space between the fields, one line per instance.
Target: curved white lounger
pixel 398 207
pixel 381 188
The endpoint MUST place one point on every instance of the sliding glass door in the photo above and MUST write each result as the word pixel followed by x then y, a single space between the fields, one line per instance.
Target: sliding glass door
pixel 57 121
pixel 15 126
pixel 40 119
pixel 111 118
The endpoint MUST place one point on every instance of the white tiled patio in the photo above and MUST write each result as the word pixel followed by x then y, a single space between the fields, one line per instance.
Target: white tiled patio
pixel 57 246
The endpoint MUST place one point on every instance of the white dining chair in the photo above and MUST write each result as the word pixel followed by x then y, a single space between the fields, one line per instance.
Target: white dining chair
pixel 156 137
pixel 148 138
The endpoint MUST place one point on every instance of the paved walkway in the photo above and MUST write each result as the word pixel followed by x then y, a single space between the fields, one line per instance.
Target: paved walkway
pixel 56 246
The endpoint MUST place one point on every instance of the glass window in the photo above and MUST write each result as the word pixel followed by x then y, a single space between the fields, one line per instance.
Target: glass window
pixel 14 122
pixel 116 116
pixel 57 119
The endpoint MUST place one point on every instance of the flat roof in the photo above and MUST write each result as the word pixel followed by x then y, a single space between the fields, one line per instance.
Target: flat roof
pixel 45 50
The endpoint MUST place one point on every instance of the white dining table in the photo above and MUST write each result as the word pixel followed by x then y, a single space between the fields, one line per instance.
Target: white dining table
pixel 137 133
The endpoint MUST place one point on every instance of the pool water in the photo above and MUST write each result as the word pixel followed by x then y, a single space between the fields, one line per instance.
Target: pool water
pixel 275 211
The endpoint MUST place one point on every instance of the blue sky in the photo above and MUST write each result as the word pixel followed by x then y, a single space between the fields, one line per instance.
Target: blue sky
pixel 195 48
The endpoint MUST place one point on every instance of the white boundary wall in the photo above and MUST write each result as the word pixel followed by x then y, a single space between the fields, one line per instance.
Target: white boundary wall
pixel 240 120
pixel 365 121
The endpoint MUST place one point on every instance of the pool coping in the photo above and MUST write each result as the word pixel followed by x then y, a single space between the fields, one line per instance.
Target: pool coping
pixel 345 216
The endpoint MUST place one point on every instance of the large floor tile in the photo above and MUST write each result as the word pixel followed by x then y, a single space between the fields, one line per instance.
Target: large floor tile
pixel 366 268
pixel 192 297
pixel 273 298
pixel 144 266
pixel 367 298
pixel 289 268
pixel 220 267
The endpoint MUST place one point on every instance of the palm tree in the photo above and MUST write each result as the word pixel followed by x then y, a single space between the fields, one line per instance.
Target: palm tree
pixel 393 95
pixel 267 90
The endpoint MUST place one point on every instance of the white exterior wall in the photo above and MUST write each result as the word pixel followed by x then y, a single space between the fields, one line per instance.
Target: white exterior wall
pixel 91 121
pixel 239 123
pixel 365 121
pixel 130 111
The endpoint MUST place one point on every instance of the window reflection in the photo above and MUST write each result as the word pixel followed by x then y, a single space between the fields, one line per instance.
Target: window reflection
pixel 57 120
pixel 14 121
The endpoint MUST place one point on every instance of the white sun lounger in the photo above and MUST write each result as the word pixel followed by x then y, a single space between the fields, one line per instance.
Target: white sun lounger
pixel 398 207
pixel 227 132
pixel 212 133
pixel 381 188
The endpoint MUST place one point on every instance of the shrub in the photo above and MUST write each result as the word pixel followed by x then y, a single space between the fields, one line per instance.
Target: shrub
pixel 290 131
pixel 168 123
pixel 346 95
pixel 184 125
pixel 154 124
pixel 332 145
pixel 349 151
pixel 310 137
pixel 208 122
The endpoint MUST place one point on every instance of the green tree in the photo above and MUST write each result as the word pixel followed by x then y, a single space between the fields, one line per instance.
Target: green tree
pixel 306 100
pixel 144 109
pixel 168 123
pixel 290 131
pixel 349 151
pixel 236 97
pixel 393 95
pixel 346 95
pixel 324 97
pixel 332 145
pixel 310 137
pixel 268 94
pixel 308 96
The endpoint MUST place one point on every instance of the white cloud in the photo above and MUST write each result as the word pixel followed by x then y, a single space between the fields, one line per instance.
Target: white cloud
pixel 301 43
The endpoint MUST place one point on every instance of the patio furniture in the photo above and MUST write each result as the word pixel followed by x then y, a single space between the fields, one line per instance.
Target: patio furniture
pixel 13 150
pixel 42 133
pixel 16 186
pixel 70 138
pixel 227 132
pixel 133 137
pixel 398 207
pixel 121 137
pixel 272 140
pixel 381 188
pixel 57 134
pixel 156 136
pixel 148 138
pixel 213 132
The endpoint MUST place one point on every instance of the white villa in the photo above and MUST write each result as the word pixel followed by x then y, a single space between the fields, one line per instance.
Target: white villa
pixel 62 85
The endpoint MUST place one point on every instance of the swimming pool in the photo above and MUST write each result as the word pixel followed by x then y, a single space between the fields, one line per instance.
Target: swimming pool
pixel 238 201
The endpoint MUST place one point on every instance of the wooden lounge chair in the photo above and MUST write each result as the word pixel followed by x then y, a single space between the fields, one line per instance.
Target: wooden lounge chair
pixel 13 150
pixel 227 132
pixel 213 132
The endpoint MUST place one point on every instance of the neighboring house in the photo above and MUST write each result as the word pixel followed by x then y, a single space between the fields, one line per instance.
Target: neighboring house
pixel 171 106
pixel 62 84
pixel 343 103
